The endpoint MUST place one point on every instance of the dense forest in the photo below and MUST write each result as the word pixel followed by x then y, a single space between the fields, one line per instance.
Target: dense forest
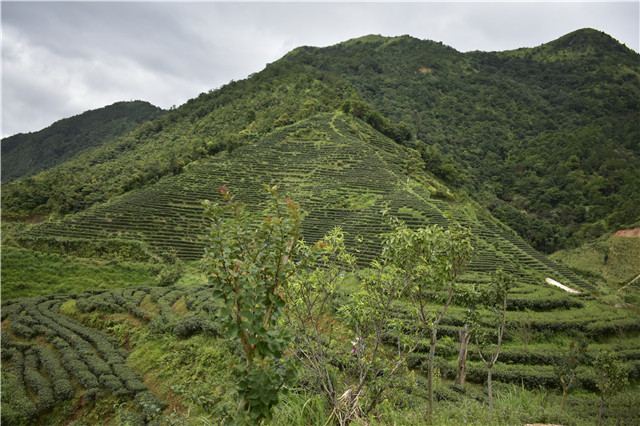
pixel 547 137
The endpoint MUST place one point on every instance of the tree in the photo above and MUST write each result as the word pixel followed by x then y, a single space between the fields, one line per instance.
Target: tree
pixel 309 311
pixel 611 377
pixel 309 307
pixel 248 266
pixel 431 259
pixel 468 297
pixel 494 297
pixel 523 328
pixel 565 370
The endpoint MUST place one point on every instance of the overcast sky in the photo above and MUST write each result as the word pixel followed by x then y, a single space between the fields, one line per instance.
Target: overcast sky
pixel 61 59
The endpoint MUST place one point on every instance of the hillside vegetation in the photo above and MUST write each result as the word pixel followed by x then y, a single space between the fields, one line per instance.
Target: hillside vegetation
pixel 27 154
pixel 546 137
pixel 410 176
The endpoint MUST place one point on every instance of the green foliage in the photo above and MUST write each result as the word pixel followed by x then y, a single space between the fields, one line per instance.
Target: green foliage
pixel 429 260
pixel 622 259
pixel 369 315
pixel 107 249
pixel 523 329
pixel 494 298
pixel 249 266
pixel 234 115
pixel 170 273
pixel 310 298
pixel 565 370
pixel 27 273
pixel 611 377
pixel 27 154
pixel 491 120
pixel 486 122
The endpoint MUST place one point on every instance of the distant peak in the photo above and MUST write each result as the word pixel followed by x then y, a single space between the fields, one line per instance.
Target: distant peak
pixel 587 38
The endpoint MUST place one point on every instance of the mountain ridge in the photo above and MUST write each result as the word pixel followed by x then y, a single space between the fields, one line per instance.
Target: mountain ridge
pixel 550 150
pixel 25 154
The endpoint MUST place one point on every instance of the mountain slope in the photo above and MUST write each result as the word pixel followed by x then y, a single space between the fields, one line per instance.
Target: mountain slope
pixel 341 171
pixel 152 354
pixel 239 112
pixel 547 137
pixel 28 154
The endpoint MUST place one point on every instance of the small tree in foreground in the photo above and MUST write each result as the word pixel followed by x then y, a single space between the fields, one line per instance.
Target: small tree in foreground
pixel 611 377
pixel 355 389
pixel 495 298
pixel 565 369
pixel 248 266
pixel 468 297
pixel 431 259
pixel 310 309
pixel 371 318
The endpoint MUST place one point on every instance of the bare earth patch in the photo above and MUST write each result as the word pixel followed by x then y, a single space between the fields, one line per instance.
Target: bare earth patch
pixel 633 232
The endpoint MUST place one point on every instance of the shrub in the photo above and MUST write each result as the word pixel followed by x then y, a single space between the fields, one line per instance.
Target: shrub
pixel 192 324
pixel 57 373
pixel 150 405
pixel 38 382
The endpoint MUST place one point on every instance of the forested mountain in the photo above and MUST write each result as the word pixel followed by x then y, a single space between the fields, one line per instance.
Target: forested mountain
pixel 27 154
pixel 546 137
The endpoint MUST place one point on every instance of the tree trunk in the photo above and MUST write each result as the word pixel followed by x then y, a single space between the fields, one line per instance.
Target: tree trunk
pixel 564 393
pixel 490 388
pixel 465 337
pixel 432 351
pixel 601 410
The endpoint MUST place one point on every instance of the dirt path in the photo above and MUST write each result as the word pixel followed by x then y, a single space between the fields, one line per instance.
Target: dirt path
pixel 562 286
pixel 633 232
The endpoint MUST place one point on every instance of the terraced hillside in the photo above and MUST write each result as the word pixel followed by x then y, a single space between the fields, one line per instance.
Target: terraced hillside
pixel 86 348
pixel 341 171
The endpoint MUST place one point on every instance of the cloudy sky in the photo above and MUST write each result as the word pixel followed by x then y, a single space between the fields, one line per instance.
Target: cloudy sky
pixel 60 59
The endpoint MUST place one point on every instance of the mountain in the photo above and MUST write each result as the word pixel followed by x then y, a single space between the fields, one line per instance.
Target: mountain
pixel 27 154
pixel 342 172
pixel 216 121
pixel 546 138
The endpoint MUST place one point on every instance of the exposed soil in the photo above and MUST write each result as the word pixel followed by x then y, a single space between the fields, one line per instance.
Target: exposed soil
pixel 633 232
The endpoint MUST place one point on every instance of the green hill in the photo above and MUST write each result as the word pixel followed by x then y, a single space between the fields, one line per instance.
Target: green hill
pixel 220 120
pixel 342 171
pixel 547 137
pixel 126 333
pixel 544 137
pixel 27 154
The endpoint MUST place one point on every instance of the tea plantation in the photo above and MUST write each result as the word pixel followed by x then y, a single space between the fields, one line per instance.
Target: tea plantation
pixel 341 171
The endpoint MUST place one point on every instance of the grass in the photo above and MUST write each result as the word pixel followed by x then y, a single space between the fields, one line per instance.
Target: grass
pixel 193 375
pixel 27 273
pixel 620 266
